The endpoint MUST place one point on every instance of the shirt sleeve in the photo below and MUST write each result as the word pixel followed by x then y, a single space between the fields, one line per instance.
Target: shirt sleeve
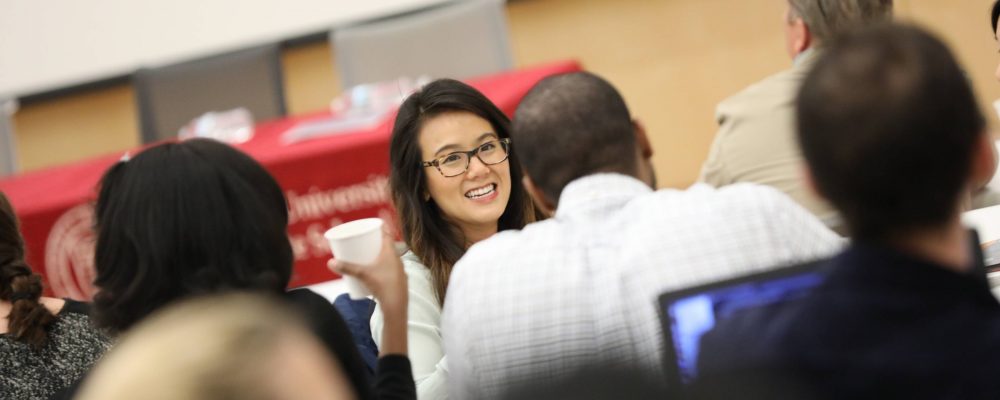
pixel 426 350
pixel 797 232
pixel 713 171
pixel 325 322
pixel 461 380
pixel 393 378
pixel 435 385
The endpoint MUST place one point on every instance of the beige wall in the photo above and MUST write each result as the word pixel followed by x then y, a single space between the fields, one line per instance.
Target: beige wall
pixel 672 59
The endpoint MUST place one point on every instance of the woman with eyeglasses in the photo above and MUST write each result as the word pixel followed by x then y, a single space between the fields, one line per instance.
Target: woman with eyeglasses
pixel 455 181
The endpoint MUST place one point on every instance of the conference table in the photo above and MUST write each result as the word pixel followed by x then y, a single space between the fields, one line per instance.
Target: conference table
pixel 328 180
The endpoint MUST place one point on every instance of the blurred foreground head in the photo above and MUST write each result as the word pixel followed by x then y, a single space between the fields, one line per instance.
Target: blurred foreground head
pixel 891 131
pixel 595 383
pixel 236 346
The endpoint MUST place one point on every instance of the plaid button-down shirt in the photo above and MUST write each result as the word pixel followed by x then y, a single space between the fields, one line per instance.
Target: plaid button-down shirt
pixel 581 288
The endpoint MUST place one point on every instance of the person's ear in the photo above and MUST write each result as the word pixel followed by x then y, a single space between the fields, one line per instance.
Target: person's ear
pixel 644 150
pixel 810 182
pixel 641 140
pixel 984 162
pixel 803 36
pixel 799 36
pixel 546 205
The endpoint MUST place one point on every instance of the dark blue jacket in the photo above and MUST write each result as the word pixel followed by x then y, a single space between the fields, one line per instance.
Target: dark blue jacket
pixel 882 325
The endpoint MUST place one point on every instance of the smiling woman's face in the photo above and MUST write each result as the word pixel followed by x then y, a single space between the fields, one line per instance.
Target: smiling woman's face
pixel 475 199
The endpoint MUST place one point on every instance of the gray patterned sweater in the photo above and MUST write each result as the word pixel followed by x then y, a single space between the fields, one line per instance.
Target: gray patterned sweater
pixel 74 346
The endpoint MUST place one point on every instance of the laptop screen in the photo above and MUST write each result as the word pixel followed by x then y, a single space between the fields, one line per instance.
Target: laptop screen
pixel 690 313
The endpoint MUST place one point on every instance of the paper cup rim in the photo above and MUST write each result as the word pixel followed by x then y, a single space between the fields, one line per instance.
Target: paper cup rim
pixel 337 232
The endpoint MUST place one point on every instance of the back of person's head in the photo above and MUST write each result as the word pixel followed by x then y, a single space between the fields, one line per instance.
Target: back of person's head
pixel 827 19
pixel 237 346
pixel 182 219
pixel 570 126
pixel 889 127
pixel 426 230
pixel 592 383
pixel 20 286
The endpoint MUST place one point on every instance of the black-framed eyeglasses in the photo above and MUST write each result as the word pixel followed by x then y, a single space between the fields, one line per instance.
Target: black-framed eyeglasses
pixel 455 164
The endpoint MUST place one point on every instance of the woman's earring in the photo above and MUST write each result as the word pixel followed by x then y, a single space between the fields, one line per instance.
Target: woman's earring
pixel 427 197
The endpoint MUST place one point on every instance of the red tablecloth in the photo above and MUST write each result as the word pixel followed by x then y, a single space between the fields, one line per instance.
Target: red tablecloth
pixel 327 181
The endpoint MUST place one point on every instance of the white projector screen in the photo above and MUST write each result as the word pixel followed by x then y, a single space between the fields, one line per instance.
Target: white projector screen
pixel 51 44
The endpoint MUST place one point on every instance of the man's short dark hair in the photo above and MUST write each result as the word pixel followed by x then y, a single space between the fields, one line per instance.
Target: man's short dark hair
pixel 570 126
pixel 888 125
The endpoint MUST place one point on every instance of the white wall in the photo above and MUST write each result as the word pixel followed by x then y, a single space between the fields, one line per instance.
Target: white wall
pixel 48 44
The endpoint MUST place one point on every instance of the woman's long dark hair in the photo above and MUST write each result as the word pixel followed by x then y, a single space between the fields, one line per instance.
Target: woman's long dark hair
pixel 20 286
pixel 183 219
pixel 428 234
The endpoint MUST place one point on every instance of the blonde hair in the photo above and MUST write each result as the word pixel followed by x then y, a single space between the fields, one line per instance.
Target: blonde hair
pixel 235 346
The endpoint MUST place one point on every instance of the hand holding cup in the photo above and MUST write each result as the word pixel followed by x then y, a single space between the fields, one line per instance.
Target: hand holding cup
pixel 378 270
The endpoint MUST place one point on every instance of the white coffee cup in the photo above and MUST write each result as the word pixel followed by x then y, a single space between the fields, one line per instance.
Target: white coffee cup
pixel 357 242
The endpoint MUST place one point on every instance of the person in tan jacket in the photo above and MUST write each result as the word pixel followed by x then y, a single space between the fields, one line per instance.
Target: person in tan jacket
pixel 756 138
